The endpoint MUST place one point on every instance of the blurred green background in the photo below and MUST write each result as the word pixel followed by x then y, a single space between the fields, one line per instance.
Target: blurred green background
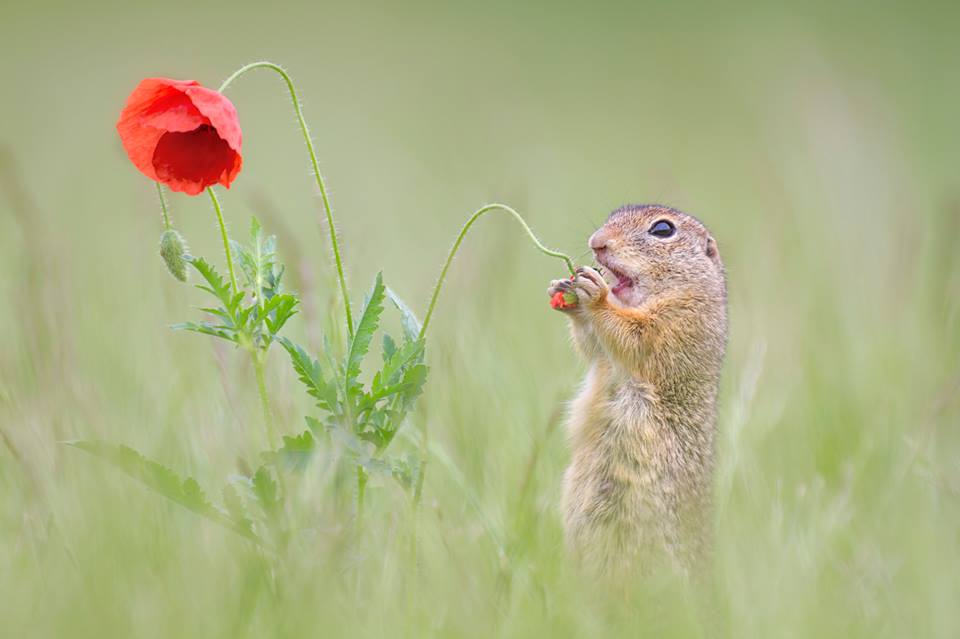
pixel 819 143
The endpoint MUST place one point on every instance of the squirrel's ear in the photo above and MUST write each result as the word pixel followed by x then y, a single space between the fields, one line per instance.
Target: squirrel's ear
pixel 712 251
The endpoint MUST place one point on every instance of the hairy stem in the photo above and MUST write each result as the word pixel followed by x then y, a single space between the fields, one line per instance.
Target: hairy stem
pixel 226 240
pixel 361 491
pixel 163 207
pixel 264 398
pixel 316 173
pixel 463 233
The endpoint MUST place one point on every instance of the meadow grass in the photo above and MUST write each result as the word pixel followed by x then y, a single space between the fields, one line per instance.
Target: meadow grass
pixel 817 143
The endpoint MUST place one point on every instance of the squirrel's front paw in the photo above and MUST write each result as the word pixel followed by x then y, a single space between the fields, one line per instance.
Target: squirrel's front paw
pixel 562 296
pixel 590 286
pixel 587 285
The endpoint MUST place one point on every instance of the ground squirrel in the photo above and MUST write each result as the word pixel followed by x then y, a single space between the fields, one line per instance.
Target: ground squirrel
pixel 642 427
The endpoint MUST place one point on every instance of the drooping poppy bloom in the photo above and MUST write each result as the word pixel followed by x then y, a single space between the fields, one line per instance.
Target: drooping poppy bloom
pixel 181 134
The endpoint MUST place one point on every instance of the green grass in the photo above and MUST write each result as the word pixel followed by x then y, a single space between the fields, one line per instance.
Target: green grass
pixel 817 143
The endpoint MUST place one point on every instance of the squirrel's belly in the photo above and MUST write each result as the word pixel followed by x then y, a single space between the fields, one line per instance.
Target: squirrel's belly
pixel 617 492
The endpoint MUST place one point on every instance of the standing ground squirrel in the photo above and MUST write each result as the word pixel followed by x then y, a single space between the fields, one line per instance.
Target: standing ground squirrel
pixel 638 487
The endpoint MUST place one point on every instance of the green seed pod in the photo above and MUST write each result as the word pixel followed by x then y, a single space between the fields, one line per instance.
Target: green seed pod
pixel 172 249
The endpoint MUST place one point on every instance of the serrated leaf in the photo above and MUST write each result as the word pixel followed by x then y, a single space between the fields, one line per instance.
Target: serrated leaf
pixel 244 261
pixel 407 354
pixel 243 313
pixel 309 372
pixel 366 327
pixel 351 443
pixel 207 329
pixel 408 320
pixel 413 379
pixel 407 471
pixel 315 426
pixel 218 287
pixel 297 451
pixel 219 312
pixel 256 231
pixel 266 491
pixel 374 436
pixel 162 480
pixel 389 347
pixel 392 379
pixel 233 502
pixel 279 309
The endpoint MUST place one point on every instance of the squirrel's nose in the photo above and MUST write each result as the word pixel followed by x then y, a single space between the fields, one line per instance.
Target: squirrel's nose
pixel 599 241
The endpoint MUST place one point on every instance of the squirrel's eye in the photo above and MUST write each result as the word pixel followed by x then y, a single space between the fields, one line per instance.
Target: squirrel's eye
pixel 662 228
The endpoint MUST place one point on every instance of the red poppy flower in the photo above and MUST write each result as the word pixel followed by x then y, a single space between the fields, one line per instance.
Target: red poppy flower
pixel 181 134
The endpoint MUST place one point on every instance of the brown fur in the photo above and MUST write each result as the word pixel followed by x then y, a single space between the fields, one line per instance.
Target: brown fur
pixel 637 491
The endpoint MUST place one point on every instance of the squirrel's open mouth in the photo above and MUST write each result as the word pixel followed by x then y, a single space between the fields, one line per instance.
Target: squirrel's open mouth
pixel 622 282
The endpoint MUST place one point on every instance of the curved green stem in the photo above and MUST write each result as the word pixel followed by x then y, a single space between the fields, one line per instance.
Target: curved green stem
pixel 226 240
pixel 163 206
pixel 316 173
pixel 463 233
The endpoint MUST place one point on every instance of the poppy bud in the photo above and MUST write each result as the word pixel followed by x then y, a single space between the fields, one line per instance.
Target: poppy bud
pixel 172 249
pixel 563 299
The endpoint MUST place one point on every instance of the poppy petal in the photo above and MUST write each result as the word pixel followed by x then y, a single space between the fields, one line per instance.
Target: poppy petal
pixel 220 112
pixel 191 161
pixel 173 111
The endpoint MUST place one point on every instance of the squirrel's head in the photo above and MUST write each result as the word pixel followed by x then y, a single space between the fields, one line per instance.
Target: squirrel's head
pixel 647 250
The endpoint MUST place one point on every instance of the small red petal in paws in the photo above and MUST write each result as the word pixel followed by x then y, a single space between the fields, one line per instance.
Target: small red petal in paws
pixel 562 300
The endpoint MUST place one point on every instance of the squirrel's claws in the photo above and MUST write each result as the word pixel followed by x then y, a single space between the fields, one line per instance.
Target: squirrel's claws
pixel 590 287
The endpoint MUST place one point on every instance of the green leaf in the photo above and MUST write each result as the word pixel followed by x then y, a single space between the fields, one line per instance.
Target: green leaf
pixel 366 327
pixel 256 231
pixel 220 313
pixel 256 259
pixel 315 425
pixel 244 262
pixel 410 388
pixel 407 471
pixel 413 380
pixel 162 480
pixel 233 502
pixel 351 443
pixel 389 347
pixel 410 352
pixel 218 287
pixel 266 492
pixel 207 328
pixel 374 436
pixel 394 378
pixel 278 310
pixel 297 451
pixel 409 321
pixel 310 374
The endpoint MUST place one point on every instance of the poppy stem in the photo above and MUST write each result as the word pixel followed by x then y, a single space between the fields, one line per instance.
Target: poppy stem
pixel 463 233
pixel 226 240
pixel 258 361
pixel 163 207
pixel 328 210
